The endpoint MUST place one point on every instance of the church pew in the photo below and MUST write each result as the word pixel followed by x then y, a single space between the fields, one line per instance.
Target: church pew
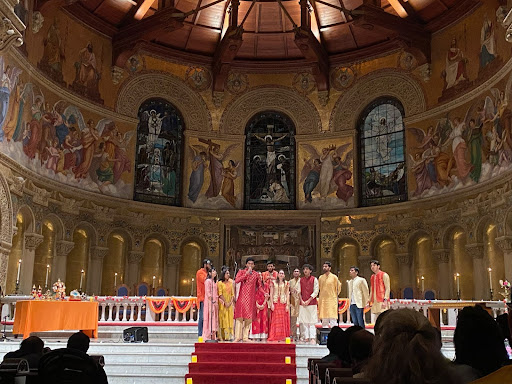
pixel 320 369
pixel 331 373
pixel 350 380
pixel 311 369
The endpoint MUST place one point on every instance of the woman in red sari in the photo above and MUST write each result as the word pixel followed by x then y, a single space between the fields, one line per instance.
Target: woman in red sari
pixel 280 320
pixel 259 327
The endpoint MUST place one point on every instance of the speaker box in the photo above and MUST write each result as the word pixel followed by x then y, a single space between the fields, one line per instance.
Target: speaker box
pixel 322 334
pixel 135 335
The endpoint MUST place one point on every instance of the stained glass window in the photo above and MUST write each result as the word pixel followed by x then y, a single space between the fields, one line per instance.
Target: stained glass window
pixel 382 153
pixel 270 162
pixel 159 153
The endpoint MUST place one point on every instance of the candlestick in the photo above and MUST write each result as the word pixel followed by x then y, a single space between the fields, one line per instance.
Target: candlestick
pixel 490 278
pixel 81 279
pixel 154 278
pixel 115 279
pixel 19 268
pixel 192 287
pixel 422 283
pixel 457 280
pixel 46 280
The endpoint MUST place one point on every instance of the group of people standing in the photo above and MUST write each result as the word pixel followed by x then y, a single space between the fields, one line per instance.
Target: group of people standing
pixel 265 306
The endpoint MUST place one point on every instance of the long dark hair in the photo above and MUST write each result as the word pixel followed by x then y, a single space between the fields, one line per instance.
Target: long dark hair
pixel 210 274
pixel 222 275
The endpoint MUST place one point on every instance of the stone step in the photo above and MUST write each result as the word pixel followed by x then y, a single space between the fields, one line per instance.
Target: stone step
pixel 148 379
pixel 122 368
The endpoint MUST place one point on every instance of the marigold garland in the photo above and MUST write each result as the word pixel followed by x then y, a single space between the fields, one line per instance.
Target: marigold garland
pixel 182 305
pixel 157 305
pixel 342 305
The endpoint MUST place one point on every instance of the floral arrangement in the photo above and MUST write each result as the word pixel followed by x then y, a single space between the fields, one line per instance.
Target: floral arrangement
pixel 59 289
pixel 506 289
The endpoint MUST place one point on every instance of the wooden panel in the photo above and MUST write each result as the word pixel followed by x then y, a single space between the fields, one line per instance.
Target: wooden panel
pixel 365 37
pixel 338 39
pixel 213 16
pixel 270 18
pixel 270 47
pixel 246 51
pixel 113 12
pixel 176 39
pixel 91 5
pixel 203 40
pixel 328 15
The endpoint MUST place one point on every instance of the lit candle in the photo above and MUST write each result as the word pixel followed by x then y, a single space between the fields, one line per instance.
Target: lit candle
pixel 81 278
pixel 490 278
pixel 19 268
pixel 115 279
pixel 154 278
pixel 457 279
pixel 47 271
pixel 422 283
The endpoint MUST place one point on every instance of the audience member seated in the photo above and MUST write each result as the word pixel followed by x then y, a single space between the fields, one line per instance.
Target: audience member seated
pixel 378 323
pixel 336 342
pixel 479 347
pixel 502 321
pixel 72 364
pixel 360 348
pixel 31 349
pixel 406 350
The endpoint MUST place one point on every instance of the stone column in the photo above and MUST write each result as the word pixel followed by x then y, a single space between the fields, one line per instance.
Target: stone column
pixel 505 244
pixel 62 249
pixel 443 279
pixel 5 250
pixel 32 241
pixel 476 253
pixel 94 274
pixel 134 259
pixel 172 275
pixel 404 267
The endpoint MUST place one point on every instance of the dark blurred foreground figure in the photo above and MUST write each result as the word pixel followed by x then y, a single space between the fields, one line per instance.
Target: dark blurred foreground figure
pixel 31 349
pixel 479 347
pixel 406 350
pixel 71 365
pixel 360 348
pixel 337 342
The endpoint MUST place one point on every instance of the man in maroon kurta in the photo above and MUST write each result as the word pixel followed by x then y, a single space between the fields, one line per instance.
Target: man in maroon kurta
pixel 245 307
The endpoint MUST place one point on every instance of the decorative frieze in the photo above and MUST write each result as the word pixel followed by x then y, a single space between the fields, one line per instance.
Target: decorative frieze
pixel 135 257
pixel 98 253
pixel 173 259
pixel 32 240
pixel 63 247
pixel 475 251
pixel 442 255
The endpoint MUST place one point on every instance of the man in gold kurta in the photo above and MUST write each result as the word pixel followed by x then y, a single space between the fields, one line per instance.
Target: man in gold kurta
pixel 330 288
pixel 294 302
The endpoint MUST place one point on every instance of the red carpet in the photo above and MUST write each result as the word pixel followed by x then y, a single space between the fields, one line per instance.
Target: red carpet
pixel 242 363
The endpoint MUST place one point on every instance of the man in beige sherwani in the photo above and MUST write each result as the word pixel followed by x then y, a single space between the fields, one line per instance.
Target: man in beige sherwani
pixel 294 302
pixel 330 288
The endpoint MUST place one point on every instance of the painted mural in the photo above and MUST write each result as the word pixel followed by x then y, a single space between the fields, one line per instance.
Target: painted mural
pixel 159 152
pixel 464 147
pixel 214 174
pixel 54 138
pixel 326 174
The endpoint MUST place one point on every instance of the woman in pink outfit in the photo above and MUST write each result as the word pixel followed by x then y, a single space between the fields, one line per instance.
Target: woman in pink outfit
pixel 211 306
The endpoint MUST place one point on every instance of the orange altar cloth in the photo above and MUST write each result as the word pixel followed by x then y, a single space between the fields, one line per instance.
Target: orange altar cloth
pixel 38 316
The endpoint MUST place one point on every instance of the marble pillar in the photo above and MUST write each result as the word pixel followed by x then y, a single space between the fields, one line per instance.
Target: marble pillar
pixel 172 265
pixel 505 244
pixel 32 241
pixel 443 278
pixel 134 259
pixel 5 250
pixel 475 252
pixel 94 274
pixel 404 267
pixel 58 269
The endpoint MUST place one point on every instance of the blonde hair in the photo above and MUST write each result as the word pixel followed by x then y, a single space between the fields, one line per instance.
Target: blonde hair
pixel 407 350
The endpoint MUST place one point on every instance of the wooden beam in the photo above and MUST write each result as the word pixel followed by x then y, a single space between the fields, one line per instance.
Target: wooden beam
pixel 224 56
pixel 315 54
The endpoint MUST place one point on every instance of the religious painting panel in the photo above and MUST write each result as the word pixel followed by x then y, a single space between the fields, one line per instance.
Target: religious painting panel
pixel 62 140
pixel 325 180
pixel 270 162
pixel 159 153
pixel 382 153
pixel 287 246
pixel 462 147
pixel 214 173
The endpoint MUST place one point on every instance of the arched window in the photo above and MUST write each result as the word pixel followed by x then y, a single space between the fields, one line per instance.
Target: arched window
pixel 382 153
pixel 270 162
pixel 159 153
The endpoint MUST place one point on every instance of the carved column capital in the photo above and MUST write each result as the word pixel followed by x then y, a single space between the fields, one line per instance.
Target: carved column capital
pixel 11 27
pixel 442 255
pixel 98 253
pixel 403 259
pixel 135 257
pixel 475 251
pixel 63 247
pixel 173 259
pixel 505 243
pixel 32 240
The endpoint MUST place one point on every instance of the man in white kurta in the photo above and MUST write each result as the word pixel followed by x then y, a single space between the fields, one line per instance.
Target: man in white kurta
pixel 330 288
pixel 307 291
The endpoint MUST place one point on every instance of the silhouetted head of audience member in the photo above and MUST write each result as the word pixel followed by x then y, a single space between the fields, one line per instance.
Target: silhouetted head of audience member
pixel 32 344
pixel 360 347
pixel 406 350
pixel 380 319
pixel 502 321
pixel 478 341
pixel 336 343
pixel 349 332
pixel 79 341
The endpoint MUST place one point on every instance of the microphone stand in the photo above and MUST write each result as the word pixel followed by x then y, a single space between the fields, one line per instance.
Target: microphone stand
pixel 337 304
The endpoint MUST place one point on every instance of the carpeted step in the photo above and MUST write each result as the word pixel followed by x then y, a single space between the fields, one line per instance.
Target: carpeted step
pixel 235 368
pixel 244 347
pixel 240 378
pixel 253 357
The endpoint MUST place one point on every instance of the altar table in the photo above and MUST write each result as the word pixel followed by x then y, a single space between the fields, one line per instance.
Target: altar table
pixel 38 316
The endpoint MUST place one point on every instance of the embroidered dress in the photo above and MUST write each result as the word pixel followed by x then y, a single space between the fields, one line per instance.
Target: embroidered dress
pixel 211 309
pixel 280 319
pixel 226 314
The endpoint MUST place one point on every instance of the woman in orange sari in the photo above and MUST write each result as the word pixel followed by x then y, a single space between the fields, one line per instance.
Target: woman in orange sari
pixel 226 290
pixel 280 320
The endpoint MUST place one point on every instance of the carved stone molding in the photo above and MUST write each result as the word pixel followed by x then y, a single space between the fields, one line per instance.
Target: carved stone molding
pixel 442 255
pixel 63 247
pixel 281 99
pixel 6 212
pixel 135 257
pixel 98 253
pixel 383 83
pixel 11 27
pixel 32 240
pixel 173 259
pixel 505 243
pixel 4 261
pixel 403 259
pixel 146 85
pixel 475 251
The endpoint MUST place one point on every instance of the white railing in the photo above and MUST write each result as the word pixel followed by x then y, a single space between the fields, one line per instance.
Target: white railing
pixel 126 309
